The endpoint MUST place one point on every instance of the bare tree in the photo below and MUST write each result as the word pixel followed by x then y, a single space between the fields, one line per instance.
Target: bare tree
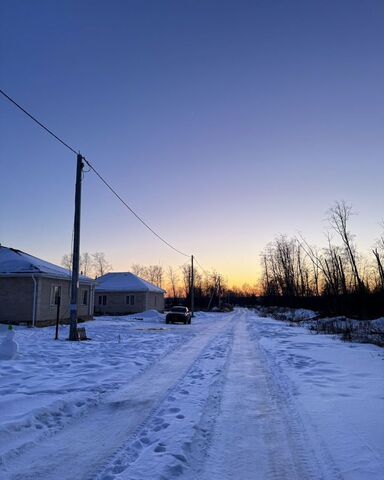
pixel 139 270
pixel 186 279
pixel 86 263
pixel 378 252
pixel 286 269
pixel 154 274
pixel 380 268
pixel 316 263
pixel 173 280
pixel 66 261
pixel 100 264
pixel 339 216
pixel 335 267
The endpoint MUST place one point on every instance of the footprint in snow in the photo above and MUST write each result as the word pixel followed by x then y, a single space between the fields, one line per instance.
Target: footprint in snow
pixel 174 410
pixel 118 469
pixel 157 428
pixel 179 457
pixel 160 448
pixel 176 470
pixel 137 445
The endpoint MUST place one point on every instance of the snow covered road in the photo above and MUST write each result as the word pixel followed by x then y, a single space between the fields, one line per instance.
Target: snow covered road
pixel 232 396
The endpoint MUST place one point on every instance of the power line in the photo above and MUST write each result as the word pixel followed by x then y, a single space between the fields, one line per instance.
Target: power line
pixel 95 171
pixel 37 121
pixel 199 264
pixel 132 211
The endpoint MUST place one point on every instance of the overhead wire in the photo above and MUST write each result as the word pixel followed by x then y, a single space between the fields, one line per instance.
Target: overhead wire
pixel 132 211
pixel 95 171
pixel 202 268
pixel 38 122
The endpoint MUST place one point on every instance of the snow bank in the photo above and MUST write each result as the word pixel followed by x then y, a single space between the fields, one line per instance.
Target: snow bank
pixel 287 314
pixel 148 316
pixel 365 331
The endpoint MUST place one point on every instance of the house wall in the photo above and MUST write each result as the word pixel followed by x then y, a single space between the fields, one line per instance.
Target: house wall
pixel 155 301
pixel 16 300
pixel 116 303
pixel 46 311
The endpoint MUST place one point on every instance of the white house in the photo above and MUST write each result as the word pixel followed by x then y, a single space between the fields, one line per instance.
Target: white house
pixel 123 292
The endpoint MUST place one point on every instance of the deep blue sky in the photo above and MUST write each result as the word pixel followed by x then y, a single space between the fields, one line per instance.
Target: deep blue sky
pixel 223 123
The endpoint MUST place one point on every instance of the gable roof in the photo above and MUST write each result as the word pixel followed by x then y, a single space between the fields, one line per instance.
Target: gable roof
pixel 17 263
pixel 124 282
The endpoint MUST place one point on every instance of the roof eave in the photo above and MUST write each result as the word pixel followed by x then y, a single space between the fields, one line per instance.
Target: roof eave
pixel 45 275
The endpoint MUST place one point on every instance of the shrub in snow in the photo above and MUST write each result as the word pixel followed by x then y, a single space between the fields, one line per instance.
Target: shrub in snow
pixel 364 331
pixel 287 314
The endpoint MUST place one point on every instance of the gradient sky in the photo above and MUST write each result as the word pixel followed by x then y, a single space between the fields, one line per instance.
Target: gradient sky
pixel 222 123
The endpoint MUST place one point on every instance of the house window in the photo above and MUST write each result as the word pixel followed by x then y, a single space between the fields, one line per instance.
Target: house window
pixel 102 299
pixel 55 294
pixel 84 297
pixel 130 299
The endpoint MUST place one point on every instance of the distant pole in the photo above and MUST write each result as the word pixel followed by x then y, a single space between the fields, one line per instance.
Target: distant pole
pixel 219 282
pixel 192 288
pixel 76 253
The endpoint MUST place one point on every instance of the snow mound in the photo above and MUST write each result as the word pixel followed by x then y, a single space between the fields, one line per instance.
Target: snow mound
pixel 287 314
pixel 148 316
pixel 364 331
pixel 302 314
pixel 378 324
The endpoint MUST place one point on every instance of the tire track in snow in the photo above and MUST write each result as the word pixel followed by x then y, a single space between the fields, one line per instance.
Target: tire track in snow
pixel 307 456
pixel 250 440
pixel 88 444
pixel 191 406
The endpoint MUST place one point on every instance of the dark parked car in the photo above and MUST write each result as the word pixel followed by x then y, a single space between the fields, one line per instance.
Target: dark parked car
pixel 178 314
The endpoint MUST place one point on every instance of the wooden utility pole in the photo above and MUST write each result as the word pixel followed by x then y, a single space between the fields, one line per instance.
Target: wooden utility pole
pixel 76 252
pixel 192 288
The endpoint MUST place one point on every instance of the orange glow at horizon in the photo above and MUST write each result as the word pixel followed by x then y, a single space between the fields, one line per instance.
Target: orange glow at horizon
pixel 241 278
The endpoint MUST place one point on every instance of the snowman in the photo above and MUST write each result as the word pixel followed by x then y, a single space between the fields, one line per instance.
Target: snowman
pixel 8 347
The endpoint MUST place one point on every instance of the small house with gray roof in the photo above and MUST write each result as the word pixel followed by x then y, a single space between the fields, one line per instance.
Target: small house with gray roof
pixel 30 287
pixel 122 293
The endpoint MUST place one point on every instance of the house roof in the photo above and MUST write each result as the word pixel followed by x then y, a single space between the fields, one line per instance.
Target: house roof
pixel 124 282
pixel 17 263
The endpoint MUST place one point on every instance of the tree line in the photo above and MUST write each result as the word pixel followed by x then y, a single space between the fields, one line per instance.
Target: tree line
pixel 210 288
pixel 336 278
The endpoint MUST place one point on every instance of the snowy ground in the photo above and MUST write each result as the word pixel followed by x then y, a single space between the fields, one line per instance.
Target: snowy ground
pixel 232 396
